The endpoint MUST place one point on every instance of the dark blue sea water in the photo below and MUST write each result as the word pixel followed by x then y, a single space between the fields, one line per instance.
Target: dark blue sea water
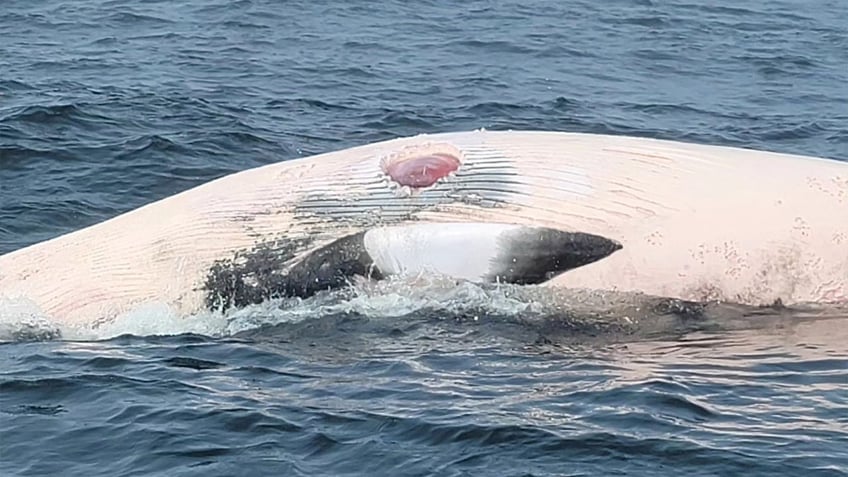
pixel 108 105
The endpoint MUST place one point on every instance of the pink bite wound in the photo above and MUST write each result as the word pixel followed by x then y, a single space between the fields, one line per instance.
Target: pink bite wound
pixel 422 171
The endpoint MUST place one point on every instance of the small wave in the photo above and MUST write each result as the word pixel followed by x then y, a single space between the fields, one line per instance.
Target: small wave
pixel 8 85
pixel 224 7
pixel 562 51
pixel 245 25
pixel 80 115
pixel 43 114
pixel 37 410
pixel 135 19
pixel 404 120
pixel 164 36
pixel 498 47
pixel 153 142
pixel 645 21
pixel 496 108
pixel 308 104
pixel 733 12
pixel 17 156
pixel 776 130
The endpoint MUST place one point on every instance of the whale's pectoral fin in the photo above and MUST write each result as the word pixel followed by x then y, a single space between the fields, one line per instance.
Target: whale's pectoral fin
pixel 331 266
pixel 482 252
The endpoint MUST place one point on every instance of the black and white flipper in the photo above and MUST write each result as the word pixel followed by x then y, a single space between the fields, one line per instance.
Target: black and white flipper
pixel 478 252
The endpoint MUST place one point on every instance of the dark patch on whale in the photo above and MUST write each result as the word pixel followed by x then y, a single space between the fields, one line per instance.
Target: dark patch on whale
pixel 250 276
pixel 267 272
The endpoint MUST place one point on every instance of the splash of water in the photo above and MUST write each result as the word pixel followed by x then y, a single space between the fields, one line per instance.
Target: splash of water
pixel 552 311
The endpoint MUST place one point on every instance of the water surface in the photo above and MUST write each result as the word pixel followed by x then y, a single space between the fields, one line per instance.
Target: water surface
pixel 108 105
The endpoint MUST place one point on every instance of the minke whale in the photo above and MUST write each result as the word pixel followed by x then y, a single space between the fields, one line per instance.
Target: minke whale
pixel 532 208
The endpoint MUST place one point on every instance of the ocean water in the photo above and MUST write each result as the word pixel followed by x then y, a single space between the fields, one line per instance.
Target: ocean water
pixel 109 105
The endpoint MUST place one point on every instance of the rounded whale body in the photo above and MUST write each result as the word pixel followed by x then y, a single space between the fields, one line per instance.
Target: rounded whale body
pixel 534 208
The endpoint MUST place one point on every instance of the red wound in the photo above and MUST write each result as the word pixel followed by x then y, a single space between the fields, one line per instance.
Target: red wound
pixel 422 171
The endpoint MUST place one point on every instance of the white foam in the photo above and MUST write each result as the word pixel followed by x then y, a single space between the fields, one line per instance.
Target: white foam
pixel 394 297
pixel 157 319
pixel 21 319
